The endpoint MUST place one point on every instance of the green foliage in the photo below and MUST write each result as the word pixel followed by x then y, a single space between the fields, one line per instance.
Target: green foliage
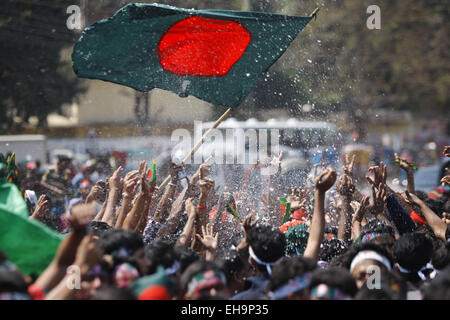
pixel 36 77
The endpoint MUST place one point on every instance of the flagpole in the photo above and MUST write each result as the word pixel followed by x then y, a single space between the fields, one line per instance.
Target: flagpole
pixel 314 13
pixel 199 143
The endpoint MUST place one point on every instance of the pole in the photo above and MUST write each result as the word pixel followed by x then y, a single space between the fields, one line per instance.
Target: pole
pixel 199 143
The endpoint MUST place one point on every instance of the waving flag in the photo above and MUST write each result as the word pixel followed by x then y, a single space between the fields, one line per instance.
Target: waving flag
pixel 28 244
pixel 231 207
pixel 215 55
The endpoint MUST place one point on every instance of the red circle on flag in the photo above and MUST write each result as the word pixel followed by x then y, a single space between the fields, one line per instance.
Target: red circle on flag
pixel 202 47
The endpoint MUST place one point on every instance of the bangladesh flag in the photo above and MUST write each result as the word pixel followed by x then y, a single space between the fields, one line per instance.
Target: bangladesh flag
pixel 231 207
pixel 285 209
pixel 29 244
pixel 152 172
pixel 215 55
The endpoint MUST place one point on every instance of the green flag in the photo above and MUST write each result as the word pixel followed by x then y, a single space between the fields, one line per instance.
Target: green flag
pixel 29 244
pixel 152 172
pixel 215 55
pixel 231 207
pixel 285 209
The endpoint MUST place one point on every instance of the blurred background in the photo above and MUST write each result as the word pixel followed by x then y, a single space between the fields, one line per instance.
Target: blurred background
pixel 382 90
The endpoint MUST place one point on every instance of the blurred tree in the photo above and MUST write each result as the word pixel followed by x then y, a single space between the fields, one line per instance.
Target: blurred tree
pixel 35 71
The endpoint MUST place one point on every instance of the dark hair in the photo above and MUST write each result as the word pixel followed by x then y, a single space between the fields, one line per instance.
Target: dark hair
pixel 115 239
pixel 439 287
pixel 288 268
pixel 421 194
pixel 233 262
pixel 437 205
pixel 112 293
pixel 98 228
pixel 373 294
pixel 441 257
pixel 377 226
pixel 330 248
pixel 334 277
pixel 268 244
pixel 413 250
pixel 12 281
pixel 160 252
pixel 185 256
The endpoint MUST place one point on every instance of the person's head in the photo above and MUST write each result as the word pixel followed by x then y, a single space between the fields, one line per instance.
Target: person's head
pixel 85 187
pixel 378 232
pixel 290 278
pixel 97 228
pixel 439 287
pixel 13 285
pixel 441 257
pixel 412 252
pixel 332 284
pixel 204 279
pixel 366 259
pixel 185 256
pixel 63 163
pixel 112 293
pixel 266 247
pixel 437 205
pixel 161 252
pixel 235 265
pixel 383 285
pixel 331 248
pixel 124 245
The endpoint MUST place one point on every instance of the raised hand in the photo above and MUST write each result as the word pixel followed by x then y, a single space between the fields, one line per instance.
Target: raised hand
pixel 81 215
pixel 345 185
pixel 88 254
pixel 402 163
pixel 208 239
pixel 130 182
pixel 379 173
pixel 114 181
pixel 42 208
pixel 349 165
pixel 361 208
pixel 325 180
pixel 379 199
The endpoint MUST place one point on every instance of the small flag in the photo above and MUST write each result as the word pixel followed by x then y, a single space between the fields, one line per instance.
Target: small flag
pixel 285 209
pixel 231 207
pixel 152 172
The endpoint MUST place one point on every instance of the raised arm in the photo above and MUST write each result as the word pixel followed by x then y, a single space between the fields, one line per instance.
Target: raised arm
pixel 129 186
pixel 409 172
pixel 114 193
pixel 323 183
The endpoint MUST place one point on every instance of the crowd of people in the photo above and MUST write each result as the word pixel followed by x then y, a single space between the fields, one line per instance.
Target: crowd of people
pixel 193 240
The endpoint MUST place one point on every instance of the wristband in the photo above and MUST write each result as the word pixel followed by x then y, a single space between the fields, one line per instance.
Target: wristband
pixel 201 207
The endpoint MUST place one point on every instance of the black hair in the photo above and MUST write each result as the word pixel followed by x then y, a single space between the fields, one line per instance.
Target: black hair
pixel 330 248
pixel 437 205
pixel 98 228
pixel 377 226
pixel 233 262
pixel 112 293
pixel 160 252
pixel 334 277
pixel 422 195
pixel 185 256
pixel 268 244
pixel 441 256
pixel 115 239
pixel 439 287
pixel 12 281
pixel 413 250
pixel 289 268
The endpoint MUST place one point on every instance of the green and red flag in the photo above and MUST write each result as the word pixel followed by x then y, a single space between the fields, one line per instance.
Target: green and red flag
pixel 231 207
pixel 285 209
pixel 152 172
pixel 29 244
pixel 216 55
